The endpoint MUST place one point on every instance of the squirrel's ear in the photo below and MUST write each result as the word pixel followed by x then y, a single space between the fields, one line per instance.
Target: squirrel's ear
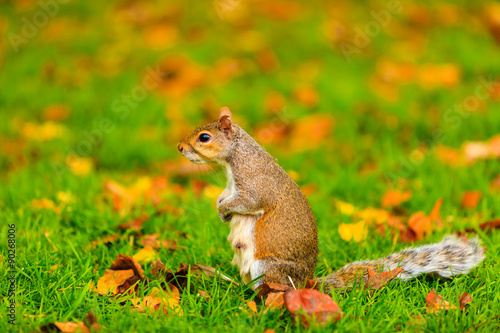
pixel 225 122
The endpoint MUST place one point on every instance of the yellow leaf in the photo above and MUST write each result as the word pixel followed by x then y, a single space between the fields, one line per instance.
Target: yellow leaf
pixel 148 253
pixel 353 231
pixel 345 208
pixel 80 166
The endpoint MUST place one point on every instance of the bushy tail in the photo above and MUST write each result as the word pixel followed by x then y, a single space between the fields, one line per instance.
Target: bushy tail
pixel 451 256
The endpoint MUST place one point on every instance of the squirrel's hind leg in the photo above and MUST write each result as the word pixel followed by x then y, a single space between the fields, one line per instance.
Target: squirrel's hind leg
pixel 277 270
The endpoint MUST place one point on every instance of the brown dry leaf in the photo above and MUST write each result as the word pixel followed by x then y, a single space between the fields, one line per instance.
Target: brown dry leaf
pixel 203 294
pixel 470 199
pixel 267 60
pixel 312 306
pixel 379 280
pixel 127 262
pixel 135 224
pixel 493 224
pixel 395 198
pixel 152 240
pixel 435 303
pixel 269 287
pixel 464 299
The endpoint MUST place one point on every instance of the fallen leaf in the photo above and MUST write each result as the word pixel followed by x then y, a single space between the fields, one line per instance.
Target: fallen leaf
pixel 354 231
pixel 269 287
pixel 435 303
pixel 158 301
pixel 135 224
pixel 420 224
pixel 395 198
pixel 310 132
pixel 275 300
pixel 493 224
pixel 252 306
pixel 345 207
pixel 152 240
pixel 80 166
pixel 307 95
pixel 464 299
pixel 66 327
pixel 470 199
pixel 45 204
pixel 378 280
pixel 112 279
pixel 205 295
pixel 312 306
pixel 56 112
pixel 127 262
pixel 146 254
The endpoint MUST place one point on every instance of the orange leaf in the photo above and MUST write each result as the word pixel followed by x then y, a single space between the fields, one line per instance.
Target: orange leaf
pixel 112 280
pixel 275 300
pixel 395 198
pixel 435 303
pixel 378 280
pixel 420 224
pixel 311 306
pixel 470 199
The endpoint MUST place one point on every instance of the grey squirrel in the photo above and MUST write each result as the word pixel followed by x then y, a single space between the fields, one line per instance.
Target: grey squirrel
pixel 273 230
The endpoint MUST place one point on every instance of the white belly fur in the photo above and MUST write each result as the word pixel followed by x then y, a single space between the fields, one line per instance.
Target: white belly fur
pixel 242 239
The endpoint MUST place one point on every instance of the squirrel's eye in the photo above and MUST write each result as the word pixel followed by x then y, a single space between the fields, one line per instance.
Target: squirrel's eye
pixel 204 137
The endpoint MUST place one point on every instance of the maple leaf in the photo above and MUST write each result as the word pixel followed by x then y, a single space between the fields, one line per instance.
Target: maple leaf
pixel 312 306
pixel 435 303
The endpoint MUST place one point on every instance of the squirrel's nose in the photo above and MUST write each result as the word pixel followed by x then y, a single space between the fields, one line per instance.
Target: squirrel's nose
pixel 179 146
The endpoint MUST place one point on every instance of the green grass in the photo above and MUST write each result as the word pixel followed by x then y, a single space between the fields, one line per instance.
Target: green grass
pixel 88 56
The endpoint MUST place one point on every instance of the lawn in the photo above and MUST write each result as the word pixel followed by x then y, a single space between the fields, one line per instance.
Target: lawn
pixel 354 100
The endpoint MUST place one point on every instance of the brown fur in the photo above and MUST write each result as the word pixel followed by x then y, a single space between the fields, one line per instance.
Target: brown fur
pixel 286 235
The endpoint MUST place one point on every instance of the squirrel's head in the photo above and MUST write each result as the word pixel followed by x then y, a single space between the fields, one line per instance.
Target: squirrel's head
pixel 211 143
